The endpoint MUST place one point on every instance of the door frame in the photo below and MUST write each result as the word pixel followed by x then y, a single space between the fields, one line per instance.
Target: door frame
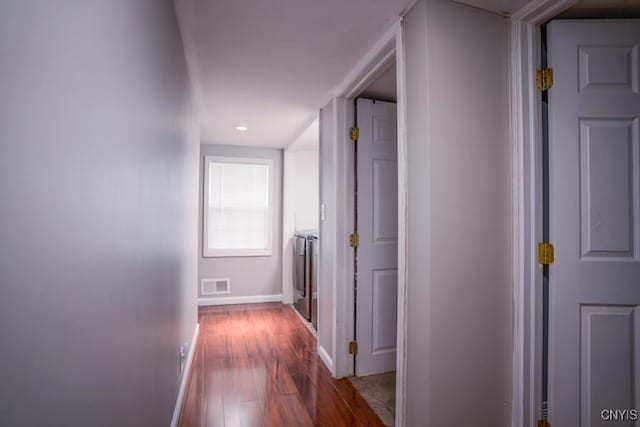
pixel 526 160
pixel 387 51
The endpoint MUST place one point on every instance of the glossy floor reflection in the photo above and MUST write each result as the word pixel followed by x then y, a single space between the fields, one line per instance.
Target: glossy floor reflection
pixel 256 365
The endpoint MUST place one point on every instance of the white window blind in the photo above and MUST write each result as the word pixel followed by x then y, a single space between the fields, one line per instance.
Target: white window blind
pixel 238 207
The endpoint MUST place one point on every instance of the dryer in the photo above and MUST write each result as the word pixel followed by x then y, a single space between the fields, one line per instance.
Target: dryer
pixel 305 248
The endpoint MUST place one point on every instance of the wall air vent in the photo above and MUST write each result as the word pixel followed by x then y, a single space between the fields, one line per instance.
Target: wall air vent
pixel 214 286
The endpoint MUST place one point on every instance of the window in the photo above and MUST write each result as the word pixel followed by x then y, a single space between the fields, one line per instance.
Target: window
pixel 237 208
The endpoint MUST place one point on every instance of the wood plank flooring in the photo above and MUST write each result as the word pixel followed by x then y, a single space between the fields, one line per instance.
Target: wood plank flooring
pixel 257 365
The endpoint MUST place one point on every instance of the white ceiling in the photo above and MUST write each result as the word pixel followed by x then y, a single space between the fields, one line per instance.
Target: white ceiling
pixel 269 64
pixel 383 88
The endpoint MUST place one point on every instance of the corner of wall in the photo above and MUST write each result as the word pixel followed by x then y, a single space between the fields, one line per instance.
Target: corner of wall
pixel 326 359
pixel 186 375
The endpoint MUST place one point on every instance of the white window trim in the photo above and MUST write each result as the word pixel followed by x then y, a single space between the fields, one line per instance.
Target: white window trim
pixel 216 253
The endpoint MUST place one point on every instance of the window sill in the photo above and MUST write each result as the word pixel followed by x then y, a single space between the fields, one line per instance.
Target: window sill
pixel 237 253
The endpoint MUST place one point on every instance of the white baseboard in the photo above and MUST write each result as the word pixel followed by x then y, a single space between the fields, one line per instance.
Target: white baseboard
pixel 324 356
pixel 202 301
pixel 186 374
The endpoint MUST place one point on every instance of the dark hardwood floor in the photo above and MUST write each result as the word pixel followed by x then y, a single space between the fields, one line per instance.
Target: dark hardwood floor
pixel 257 365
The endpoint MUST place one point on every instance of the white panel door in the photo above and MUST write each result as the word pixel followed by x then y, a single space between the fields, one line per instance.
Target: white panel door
pixel 594 202
pixel 377 213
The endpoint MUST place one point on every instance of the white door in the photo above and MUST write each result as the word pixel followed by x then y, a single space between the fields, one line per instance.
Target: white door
pixel 594 202
pixel 377 224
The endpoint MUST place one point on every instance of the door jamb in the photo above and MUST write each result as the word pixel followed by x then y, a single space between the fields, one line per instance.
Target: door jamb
pixel 389 49
pixel 526 159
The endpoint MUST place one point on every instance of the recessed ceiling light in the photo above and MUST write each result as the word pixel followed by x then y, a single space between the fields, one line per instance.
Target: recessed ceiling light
pixel 241 128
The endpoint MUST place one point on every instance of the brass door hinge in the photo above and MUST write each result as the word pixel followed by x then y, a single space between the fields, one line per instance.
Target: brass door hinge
pixel 354 240
pixel 544 79
pixel 353 347
pixel 543 423
pixel 545 253
pixel 354 134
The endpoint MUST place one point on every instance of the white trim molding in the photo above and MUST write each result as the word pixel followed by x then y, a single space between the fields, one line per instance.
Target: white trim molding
pixel 186 375
pixel 344 260
pixel 326 359
pixel 401 351
pixel 526 156
pixel 388 51
pixel 369 68
pixel 239 300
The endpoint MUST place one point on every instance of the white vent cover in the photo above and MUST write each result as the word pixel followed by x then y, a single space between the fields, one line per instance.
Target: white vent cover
pixel 214 286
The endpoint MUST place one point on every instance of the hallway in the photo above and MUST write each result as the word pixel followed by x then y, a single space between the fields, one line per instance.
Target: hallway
pixel 256 365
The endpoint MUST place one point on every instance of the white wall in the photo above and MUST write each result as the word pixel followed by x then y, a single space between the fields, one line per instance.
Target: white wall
pixel 257 278
pixel 459 293
pixel 307 189
pixel 98 190
pixel 288 223
pixel 300 203
pixel 326 275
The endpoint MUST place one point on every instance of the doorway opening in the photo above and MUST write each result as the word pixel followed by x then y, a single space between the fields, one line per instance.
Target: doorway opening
pixel 338 175
pixel 375 281
pixel 565 312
